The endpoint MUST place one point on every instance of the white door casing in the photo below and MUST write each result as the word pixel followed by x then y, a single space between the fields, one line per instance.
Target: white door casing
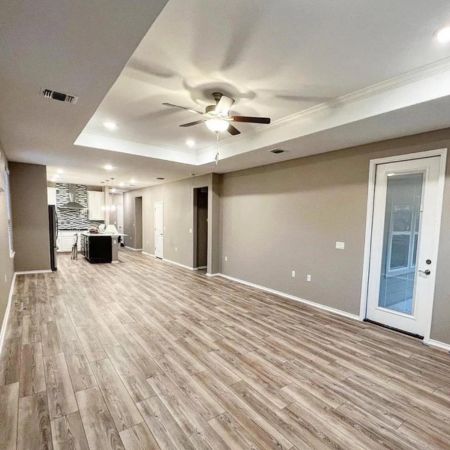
pixel 159 229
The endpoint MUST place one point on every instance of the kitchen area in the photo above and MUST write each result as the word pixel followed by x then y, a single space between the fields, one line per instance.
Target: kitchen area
pixel 90 217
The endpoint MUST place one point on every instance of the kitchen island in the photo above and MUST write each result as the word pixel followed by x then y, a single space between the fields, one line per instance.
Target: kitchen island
pixel 100 247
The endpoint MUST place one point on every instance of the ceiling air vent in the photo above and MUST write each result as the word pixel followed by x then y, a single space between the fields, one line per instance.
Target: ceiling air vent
pixel 277 151
pixel 48 93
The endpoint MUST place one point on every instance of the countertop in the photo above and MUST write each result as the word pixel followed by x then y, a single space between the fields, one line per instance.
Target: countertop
pixel 86 233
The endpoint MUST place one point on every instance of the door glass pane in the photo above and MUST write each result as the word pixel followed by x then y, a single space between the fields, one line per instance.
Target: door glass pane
pixel 399 251
pixel 401 230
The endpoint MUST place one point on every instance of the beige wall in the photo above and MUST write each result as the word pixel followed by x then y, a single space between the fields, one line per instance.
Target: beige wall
pixel 288 216
pixel 178 199
pixel 30 216
pixel 6 262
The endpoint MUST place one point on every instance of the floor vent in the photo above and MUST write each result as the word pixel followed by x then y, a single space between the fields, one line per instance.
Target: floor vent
pixel 53 95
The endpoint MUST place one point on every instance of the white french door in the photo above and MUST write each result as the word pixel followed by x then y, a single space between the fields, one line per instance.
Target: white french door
pixel 159 229
pixel 405 232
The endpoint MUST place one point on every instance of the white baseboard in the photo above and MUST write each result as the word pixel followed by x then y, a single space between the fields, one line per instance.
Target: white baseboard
pixel 148 254
pixel 437 344
pixel 177 264
pixel 292 297
pixel 31 272
pixel 133 249
pixel 213 274
pixel 7 312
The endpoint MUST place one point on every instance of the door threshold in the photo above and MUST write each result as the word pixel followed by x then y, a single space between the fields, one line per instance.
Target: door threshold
pixel 414 335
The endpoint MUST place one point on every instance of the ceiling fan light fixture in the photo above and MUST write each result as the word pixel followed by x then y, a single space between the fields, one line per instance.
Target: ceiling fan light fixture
pixel 217 125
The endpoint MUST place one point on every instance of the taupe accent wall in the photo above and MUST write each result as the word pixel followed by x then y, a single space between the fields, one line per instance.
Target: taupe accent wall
pixel 6 262
pixel 288 216
pixel 30 216
pixel 178 200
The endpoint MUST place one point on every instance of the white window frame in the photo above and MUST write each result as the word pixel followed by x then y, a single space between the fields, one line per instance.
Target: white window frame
pixel 8 212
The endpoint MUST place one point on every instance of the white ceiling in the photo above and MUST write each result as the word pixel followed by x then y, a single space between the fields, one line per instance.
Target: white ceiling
pixel 296 62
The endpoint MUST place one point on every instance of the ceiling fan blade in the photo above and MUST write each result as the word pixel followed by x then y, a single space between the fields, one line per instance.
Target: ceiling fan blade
pixel 191 124
pixel 233 130
pixel 249 119
pixel 181 107
pixel 224 105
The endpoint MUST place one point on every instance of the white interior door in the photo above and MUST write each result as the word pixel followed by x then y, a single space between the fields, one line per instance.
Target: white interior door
pixel 404 245
pixel 159 229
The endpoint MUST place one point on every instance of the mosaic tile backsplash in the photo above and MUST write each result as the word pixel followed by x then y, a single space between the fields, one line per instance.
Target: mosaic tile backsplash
pixel 73 219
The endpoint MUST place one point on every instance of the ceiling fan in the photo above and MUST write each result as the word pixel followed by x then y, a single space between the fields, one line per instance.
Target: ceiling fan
pixel 217 117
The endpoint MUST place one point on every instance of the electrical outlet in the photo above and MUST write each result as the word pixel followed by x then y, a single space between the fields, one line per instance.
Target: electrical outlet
pixel 308 277
pixel 340 245
pixel 226 258
pixel 190 230
pixel 293 274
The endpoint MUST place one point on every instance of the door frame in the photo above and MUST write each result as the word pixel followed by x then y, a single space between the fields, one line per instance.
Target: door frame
pixel 442 154
pixel 159 202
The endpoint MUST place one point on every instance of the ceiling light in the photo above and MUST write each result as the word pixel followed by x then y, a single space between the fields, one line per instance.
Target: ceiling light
pixel 217 125
pixel 160 178
pixel 108 167
pixel 113 190
pixel 110 125
pixel 121 184
pixel 443 35
pixel 190 143
pixel 277 151
pixel 59 171
pixel 132 181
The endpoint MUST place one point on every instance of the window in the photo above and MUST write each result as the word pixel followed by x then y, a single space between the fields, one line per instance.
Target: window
pixel 8 211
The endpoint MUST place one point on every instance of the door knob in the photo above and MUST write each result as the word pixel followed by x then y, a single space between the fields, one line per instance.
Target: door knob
pixel 425 272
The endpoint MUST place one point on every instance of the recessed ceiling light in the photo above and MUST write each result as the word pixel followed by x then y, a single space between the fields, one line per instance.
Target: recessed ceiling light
pixel 277 151
pixel 113 190
pixel 110 125
pixel 443 35
pixel 121 184
pixel 190 143
pixel 59 171
pixel 108 167
pixel 160 178
pixel 132 181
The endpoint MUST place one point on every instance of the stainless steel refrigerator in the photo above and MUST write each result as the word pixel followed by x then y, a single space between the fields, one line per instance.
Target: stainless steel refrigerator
pixel 53 232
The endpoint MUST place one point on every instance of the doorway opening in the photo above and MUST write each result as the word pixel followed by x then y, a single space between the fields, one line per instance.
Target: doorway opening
pixel 402 238
pixel 138 223
pixel 200 228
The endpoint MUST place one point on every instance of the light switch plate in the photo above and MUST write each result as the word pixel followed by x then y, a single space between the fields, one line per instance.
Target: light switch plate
pixel 340 245
pixel 293 274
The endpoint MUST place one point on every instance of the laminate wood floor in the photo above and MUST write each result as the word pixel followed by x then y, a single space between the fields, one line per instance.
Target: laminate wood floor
pixel 146 355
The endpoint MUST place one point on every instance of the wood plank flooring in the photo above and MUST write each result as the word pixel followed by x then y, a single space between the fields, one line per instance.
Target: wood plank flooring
pixel 145 355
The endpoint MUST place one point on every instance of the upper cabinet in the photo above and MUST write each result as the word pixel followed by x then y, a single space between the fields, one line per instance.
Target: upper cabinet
pixel 51 195
pixel 96 205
